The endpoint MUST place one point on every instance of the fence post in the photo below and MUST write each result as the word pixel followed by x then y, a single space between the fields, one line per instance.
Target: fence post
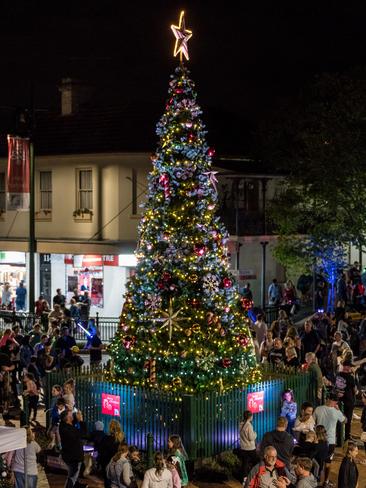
pixel 150 450
pixel 188 423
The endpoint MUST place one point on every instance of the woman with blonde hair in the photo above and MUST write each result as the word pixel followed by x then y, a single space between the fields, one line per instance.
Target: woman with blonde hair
pixel 31 452
pixel 109 447
pixel 119 470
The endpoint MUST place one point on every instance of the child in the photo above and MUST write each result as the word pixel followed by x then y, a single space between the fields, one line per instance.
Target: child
pixel 289 409
pixel 177 450
pixel 32 393
pixel 68 395
pixel 56 411
pixel 172 464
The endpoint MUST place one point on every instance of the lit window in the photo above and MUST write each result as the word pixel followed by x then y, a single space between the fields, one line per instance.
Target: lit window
pixel 85 188
pixel 45 190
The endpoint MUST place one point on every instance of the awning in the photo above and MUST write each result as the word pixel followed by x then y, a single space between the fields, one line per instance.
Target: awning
pixel 12 439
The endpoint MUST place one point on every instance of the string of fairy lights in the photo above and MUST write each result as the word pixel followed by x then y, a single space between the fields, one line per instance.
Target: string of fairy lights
pixel 183 326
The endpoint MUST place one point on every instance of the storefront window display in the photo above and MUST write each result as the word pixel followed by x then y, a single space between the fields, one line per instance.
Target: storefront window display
pixel 85 273
pixel 12 270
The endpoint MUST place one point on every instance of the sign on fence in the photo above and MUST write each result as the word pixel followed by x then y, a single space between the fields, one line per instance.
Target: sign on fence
pixel 111 405
pixel 255 401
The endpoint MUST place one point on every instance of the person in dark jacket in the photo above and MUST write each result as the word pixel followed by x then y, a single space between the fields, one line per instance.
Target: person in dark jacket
pixel 97 435
pixel 72 448
pixel 307 447
pixel 281 440
pixel 108 448
pixel 348 472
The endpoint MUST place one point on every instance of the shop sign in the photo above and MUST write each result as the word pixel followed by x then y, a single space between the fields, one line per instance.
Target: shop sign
pixel 91 260
pixel 12 257
pixel 110 260
pixel 255 401
pixel 247 274
pixel 111 405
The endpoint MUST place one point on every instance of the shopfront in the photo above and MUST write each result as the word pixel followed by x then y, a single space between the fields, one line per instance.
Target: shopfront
pixel 12 269
pixel 103 276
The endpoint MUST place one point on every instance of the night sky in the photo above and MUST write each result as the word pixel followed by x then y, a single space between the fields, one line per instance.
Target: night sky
pixel 246 57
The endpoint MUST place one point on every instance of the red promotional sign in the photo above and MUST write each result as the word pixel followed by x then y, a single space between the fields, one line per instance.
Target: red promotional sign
pixel 255 402
pixel 111 404
pixel 17 185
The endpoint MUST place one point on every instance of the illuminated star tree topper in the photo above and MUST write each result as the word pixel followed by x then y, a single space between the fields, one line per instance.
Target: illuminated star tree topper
pixel 182 36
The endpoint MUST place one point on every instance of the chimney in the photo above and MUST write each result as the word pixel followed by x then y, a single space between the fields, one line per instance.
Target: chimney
pixel 73 94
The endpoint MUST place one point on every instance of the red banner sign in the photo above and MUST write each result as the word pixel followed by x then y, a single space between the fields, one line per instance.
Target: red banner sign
pixel 17 185
pixel 111 405
pixel 255 402
pixel 91 260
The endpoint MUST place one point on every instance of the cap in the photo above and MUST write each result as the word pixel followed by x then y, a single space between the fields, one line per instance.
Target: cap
pixel 75 349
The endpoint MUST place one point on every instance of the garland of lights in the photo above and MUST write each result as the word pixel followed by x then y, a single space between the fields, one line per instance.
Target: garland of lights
pixel 183 326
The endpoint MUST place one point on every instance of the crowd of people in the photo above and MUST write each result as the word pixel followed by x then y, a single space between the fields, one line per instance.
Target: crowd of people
pixel 26 357
pixel 10 299
pixel 298 453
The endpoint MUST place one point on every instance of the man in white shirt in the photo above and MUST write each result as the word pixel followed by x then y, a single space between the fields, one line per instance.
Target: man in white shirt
pixel 328 415
pixel 260 328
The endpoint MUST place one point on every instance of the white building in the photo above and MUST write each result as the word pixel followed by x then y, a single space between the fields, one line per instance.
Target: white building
pixel 90 178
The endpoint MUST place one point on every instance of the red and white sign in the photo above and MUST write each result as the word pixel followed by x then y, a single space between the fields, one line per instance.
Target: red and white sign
pixel 91 260
pixel 111 405
pixel 255 402
pixel 17 182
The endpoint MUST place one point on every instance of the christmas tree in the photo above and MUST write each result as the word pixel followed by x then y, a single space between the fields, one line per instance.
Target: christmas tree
pixel 183 326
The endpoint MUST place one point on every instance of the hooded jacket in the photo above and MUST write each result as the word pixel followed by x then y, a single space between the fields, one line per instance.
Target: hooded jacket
pixel 283 443
pixel 153 480
pixel 307 482
pixel 254 477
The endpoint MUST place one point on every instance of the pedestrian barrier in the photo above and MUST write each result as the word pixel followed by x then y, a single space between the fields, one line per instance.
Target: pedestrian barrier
pixel 107 326
pixel 208 423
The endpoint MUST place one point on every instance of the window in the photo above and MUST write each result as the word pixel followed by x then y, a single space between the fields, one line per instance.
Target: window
pixel 2 192
pixel 85 188
pixel 45 190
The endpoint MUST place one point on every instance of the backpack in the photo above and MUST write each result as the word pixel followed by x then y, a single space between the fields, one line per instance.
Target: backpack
pixel 112 475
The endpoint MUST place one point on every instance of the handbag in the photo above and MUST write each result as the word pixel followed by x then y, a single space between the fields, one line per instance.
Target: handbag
pixel 363 436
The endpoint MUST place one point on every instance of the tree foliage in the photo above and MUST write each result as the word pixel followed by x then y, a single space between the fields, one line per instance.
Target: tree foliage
pixel 320 143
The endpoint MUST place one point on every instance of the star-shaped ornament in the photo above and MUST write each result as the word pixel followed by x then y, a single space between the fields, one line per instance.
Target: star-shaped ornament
pixel 182 36
pixel 212 177
pixel 170 319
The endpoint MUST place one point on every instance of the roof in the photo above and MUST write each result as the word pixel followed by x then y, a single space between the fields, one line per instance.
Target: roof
pixel 102 125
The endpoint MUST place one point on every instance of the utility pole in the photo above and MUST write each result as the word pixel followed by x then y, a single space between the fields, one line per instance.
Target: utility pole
pixel 32 245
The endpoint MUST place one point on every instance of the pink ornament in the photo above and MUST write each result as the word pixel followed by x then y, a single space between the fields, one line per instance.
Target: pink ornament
pixel 227 283
pixel 243 340
pixel 199 249
pixel 211 152
pixel 129 341
pixel 164 181
pixel 226 362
